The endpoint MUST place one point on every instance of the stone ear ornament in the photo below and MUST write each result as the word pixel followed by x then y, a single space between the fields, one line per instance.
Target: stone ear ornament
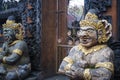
pixel 20 35
pixel 105 34
pixel 108 28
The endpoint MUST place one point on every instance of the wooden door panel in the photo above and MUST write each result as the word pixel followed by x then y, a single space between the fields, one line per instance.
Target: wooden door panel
pixel 53 30
pixel 48 36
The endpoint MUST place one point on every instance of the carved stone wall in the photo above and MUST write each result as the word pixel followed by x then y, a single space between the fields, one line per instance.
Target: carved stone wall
pixel 31 20
pixel 100 5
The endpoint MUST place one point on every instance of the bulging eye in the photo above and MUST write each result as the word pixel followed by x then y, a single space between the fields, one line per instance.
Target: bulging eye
pixel 90 30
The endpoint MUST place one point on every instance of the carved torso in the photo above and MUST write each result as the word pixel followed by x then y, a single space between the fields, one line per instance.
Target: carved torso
pixel 100 56
pixel 90 59
pixel 24 59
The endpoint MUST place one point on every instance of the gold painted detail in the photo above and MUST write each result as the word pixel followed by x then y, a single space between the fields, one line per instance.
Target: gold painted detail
pixel 92 20
pixel 87 51
pixel 107 65
pixel 1 49
pixel 69 61
pixel 17 51
pixel 67 67
pixel 87 74
pixel 4 61
pixel 15 26
pixel 11 24
pixel 91 16
pixel 14 42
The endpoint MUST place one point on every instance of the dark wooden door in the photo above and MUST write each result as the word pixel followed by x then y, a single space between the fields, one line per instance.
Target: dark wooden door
pixel 53 33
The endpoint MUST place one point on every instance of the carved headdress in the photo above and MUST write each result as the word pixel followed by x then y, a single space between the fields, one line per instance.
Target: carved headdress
pixel 102 26
pixel 10 23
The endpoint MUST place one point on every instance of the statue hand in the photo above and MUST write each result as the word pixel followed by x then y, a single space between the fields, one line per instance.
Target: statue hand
pixel 11 76
pixel 2 70
pixel 78 70
pixel 75 72
pixel 81 64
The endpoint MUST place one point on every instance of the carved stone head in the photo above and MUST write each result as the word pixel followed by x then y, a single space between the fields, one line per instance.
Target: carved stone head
pixel 93 30
pixel 12 30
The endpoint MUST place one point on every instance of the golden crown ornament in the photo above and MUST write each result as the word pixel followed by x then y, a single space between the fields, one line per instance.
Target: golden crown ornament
pixel 15 26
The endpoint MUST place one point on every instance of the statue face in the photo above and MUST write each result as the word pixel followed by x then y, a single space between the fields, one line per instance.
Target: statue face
pixel 88 36
pixel 8 34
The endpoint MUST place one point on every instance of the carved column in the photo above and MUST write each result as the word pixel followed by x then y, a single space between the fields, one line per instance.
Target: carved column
pixel 31 20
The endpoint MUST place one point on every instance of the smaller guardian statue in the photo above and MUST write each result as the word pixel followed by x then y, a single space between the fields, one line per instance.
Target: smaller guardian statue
pixel 14 58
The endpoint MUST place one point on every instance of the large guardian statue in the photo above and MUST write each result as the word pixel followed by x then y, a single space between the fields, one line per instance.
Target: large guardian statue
pixel 14 57
pixel 92 59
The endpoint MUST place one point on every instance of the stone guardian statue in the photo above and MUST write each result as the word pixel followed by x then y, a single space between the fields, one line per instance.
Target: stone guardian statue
pixel 92 59
pixel 14 58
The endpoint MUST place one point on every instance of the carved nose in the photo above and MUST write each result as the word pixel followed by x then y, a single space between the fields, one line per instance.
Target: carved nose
pixel 84 37
pixel 84 33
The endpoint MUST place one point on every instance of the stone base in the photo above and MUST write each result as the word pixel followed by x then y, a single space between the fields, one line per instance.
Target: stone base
pixel 35 76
